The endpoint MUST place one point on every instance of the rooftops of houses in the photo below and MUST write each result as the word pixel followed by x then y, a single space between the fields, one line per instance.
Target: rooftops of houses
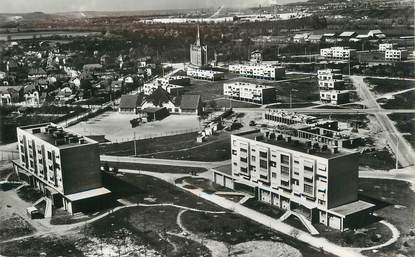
pixel 190 102
pixel 130 101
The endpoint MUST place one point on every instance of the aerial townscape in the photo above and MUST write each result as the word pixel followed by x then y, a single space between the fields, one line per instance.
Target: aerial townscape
pixel 207 128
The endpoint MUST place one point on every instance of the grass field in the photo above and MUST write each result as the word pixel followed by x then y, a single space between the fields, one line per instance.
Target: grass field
pixel 400 212
pixel 154 167
pixel 400 101
pixel 264 208
pixel 379 159
pixel 179 147
pixel 405 123
pixel 14 226
pixel 383 86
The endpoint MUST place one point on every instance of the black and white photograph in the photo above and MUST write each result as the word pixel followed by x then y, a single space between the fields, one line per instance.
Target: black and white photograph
pixel 207 128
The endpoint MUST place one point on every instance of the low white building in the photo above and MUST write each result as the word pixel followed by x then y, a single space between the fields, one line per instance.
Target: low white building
pixel 205 74
pixel 260 71
pixel 385 46
pixel 248 92
pixel 396 55
pixel 338 53
pixel 335 97
pixel 329 79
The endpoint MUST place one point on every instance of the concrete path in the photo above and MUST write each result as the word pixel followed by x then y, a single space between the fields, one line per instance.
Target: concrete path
pixel 180 163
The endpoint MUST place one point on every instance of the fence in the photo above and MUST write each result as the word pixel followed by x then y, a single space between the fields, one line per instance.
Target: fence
pixel 163 134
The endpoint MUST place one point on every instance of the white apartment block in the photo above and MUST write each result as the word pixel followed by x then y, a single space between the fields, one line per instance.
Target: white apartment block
pixel 319 183
pixel 396 55
pixel 385 46
pixel 65 166
pixel 249 92
pixel 149 88
pixel 338 53
pixel 205 74
pixel 259 71
pixel 335 97
pixel 330 79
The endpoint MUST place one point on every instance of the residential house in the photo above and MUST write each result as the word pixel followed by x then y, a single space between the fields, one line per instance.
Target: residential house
pixel 130 103
pixel 161 98
pixel 37 73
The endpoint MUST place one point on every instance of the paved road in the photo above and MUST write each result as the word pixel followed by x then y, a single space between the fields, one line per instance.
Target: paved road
pixel 402 149
pixel 330 111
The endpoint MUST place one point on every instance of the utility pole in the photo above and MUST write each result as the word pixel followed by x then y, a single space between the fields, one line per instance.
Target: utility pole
pixel 135 146
pixel 397 152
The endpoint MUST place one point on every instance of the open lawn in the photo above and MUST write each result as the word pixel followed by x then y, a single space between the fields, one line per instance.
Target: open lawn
pixel 400 101
pixel 155 168
pixel 405 123
pixel 378 159
pixel 367 236
pixel 207 185
pixel 225 103
pixel 400 212
pixel 383 86
pixel 140 188
pixel 14 226
pixel 29 194
pixel 116 126
pixel 264 208
pixel 234 229
pixel 179 147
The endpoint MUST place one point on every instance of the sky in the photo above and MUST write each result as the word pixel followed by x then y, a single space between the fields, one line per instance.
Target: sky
pixel 51 6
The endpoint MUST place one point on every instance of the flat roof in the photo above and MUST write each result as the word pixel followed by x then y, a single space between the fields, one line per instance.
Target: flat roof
pixel 350 208
pixel 300 147
pixel 226 169
pixel 41 131
pixel 88 194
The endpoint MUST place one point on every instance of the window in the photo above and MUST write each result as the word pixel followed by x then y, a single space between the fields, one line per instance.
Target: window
pixel 274 175
pixel 285 171
pixel 263 154
pixel 253 158
pixel 49 155
pixel 285 159
pixel 263 164
pixel 244 159
pixel 295 182
pixel 308 189
pixel 233 152
pixel 321 202
pixel 244 170
pixel 285 183
pixel 243 150
pixel 296 161
pixel 234 164
pixel 272 164
pixel 308 180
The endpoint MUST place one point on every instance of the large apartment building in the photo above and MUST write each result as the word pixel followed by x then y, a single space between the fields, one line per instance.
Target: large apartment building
pixel 205 74
pixel 65 166
pixel 338 53
pixel 248 92
pixel 396 55
pixel 315 181
pixel 259 71
pixel 335 97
